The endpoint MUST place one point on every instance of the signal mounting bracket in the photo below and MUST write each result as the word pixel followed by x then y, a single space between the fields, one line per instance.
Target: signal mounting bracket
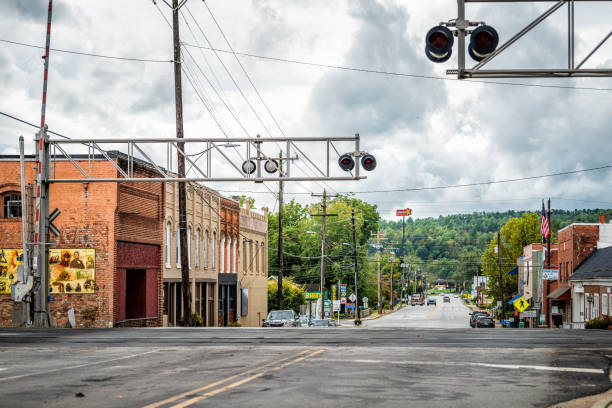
pixel 573 69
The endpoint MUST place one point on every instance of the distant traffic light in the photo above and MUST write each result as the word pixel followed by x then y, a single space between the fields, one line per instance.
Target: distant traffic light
pixel 483 41
pixel 346 162
pixel 368 162
pixel 439 44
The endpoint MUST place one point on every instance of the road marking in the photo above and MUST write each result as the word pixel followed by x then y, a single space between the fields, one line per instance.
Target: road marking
pixel 76 366
pixel 243 381
pixel 432 312
pixel 224 380
pixel 444 363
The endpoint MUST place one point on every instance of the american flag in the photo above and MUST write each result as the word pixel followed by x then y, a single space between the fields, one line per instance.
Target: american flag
pixel 544 228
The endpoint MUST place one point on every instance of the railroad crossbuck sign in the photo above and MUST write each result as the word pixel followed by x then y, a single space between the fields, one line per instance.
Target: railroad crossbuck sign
pixel 521 304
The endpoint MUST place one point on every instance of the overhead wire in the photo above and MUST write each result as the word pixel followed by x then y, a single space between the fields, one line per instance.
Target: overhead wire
pixel 312 64
pixel 209 109
pixel 254 87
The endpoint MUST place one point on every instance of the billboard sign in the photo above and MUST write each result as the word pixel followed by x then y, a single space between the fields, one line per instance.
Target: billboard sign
pixel 343 290
pixel 403 212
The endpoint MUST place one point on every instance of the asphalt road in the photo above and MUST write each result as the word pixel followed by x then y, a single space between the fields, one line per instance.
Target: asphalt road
pixel 442 316
pixel 335 367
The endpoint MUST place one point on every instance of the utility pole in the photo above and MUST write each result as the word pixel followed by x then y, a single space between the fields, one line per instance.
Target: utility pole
pixel 280 236
pixel 41 223
pixel 323 237
pixel 501 276
pixel 357 314
pixel 548 258
pixel 391 266
pixel 379 236
pixel 403 254
pixel 178 97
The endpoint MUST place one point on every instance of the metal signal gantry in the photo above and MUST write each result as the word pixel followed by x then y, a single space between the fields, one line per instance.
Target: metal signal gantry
pixel 484 41
pixel 204 162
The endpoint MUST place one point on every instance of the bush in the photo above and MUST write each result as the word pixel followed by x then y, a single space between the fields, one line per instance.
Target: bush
pixel 598 323
pixel 234 324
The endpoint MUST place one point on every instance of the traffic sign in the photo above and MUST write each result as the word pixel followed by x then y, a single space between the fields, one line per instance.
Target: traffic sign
pixel 52 217
pixel 529 313
pixel 521 304
pixel 343 300
pixel 336 305
pixel 352 297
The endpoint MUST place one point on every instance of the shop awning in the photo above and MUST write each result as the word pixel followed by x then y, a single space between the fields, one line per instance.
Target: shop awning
pixel 513 271
pixel 561 293
pixel 511 301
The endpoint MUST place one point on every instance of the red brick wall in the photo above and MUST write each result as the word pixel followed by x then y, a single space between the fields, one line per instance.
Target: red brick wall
pixel 86 221
pixel 95 215
pixel 576 243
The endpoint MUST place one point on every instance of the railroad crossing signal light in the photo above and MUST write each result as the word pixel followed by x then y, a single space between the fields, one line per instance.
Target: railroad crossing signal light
pixel 439 44
pixel 368 162
pixel 271 166
pixel 483 41
pixel 346 162
pixel 248 167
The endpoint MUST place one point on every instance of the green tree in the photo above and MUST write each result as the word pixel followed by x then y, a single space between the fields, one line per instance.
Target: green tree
pixel 293 295
pixel 515 235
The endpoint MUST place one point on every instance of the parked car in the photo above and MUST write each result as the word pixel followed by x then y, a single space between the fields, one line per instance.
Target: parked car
pixel 281 318
pixel 431 302
pixel 474 316
pixel 484 321
pixel 304 321
pixel 320 323
pixel 446 299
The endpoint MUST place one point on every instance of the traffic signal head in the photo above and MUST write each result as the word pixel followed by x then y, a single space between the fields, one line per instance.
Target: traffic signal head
pixel 346 162
pixel 248 167
pixel 368 162
pixel 483 41
pixel 439 44
pixel 271 166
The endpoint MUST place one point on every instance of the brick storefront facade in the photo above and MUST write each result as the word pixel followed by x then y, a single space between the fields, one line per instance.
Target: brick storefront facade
pixel 121 221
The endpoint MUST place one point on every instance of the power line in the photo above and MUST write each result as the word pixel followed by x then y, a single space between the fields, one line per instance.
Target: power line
pixel 396 74
pixel 87 54
pixel 481 183
pixel 312 64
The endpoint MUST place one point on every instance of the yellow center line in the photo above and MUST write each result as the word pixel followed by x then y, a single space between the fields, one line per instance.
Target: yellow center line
pixel 432 312
pixel 242 381
pixel 216 383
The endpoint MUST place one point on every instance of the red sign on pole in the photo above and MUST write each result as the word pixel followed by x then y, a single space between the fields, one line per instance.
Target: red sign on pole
pixel 404 211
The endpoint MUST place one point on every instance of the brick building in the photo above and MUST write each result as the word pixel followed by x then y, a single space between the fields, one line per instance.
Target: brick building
pixel 119 226
pixel 229 238
pixel 577 243
pixel 203 221
pixel 253 266
pixel 592 286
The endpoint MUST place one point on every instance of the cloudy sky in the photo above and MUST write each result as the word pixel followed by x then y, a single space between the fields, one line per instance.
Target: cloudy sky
pixel 424 132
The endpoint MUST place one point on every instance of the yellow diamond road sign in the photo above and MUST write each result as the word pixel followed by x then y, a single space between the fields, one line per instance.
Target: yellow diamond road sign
pixel 521 304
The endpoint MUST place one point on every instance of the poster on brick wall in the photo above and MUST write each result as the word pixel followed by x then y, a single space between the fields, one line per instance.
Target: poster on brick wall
pixel 72 270
pixel 9 259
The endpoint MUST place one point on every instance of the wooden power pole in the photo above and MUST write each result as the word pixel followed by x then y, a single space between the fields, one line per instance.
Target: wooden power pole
pixel 324 216
pixel 178 97
pixel 280 237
